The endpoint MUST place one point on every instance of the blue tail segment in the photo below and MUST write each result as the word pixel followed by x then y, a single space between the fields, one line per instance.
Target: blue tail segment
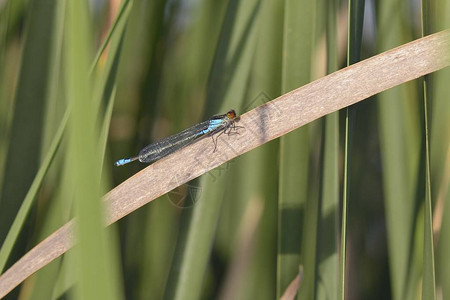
pixel 123 161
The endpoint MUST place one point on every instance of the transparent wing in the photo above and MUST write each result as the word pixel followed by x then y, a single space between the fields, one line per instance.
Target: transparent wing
pixel 177 141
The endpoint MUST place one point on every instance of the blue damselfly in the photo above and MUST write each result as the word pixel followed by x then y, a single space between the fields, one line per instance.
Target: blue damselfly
pixel 216 124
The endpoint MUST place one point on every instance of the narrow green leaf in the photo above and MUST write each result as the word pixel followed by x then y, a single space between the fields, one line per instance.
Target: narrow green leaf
pixel 328 255
pixel 96 279
pixel 400 149
pixel 429 280
pixel 328 260
pixel 429 276
pixel 440 158
pixel 355 28
pixel 298 40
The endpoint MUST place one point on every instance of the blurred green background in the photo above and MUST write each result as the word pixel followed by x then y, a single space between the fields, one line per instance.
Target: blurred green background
pixel 71 104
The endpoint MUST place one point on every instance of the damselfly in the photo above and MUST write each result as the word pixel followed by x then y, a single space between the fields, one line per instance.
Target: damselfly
pixel 216 124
